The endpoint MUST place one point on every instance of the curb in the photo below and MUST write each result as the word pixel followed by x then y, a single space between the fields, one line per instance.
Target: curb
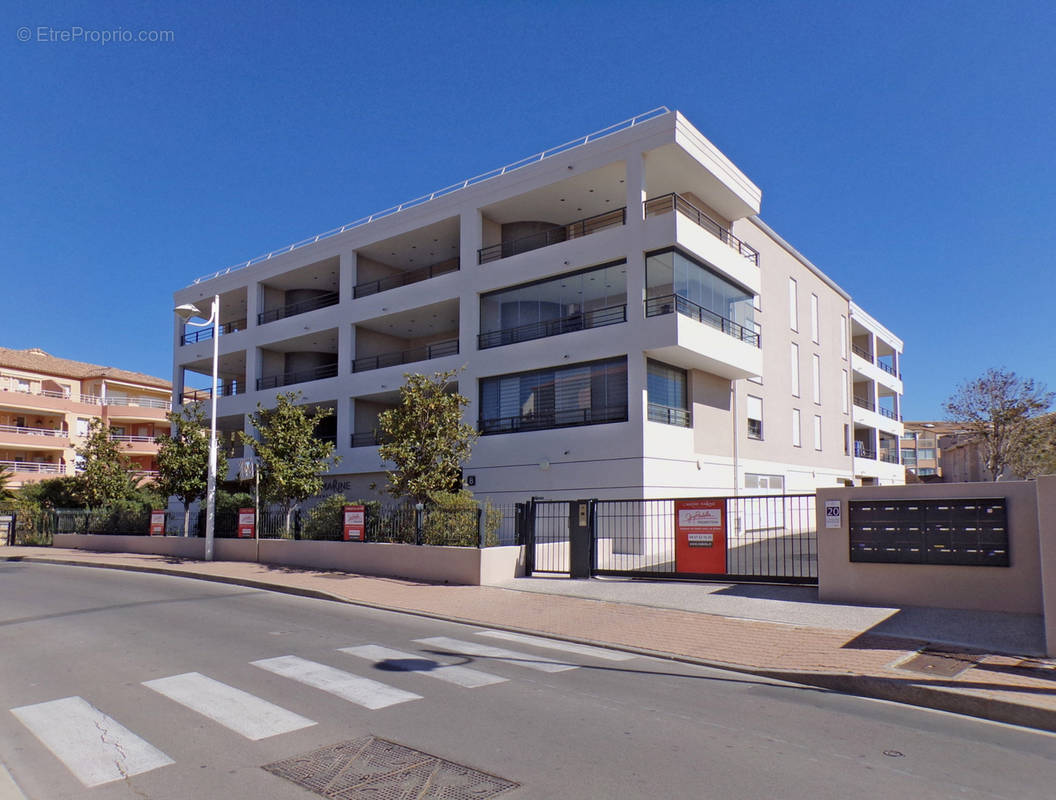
pixel 874 687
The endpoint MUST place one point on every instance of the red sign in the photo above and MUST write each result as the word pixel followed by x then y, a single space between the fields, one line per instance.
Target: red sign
pixel 355 524
pixel 157 523
pixel 247 523
pixel 700 536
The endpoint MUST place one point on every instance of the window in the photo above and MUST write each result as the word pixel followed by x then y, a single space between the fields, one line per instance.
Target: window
pixel 817 379
pixel 926 453
pixel 671 273
pixel 793 304
pixel 817 432
pixel 82 426
pixel 843 336
pixel 21 386
pixel 814 317
pixel 846 440
pixel 926 471
pixel 559 397
pixel 843 393
pixel 795 369
pixel 756 481
pixel 755 417
pixel 666 389
pixel 909 436
pixel 796 439
pixel 909 458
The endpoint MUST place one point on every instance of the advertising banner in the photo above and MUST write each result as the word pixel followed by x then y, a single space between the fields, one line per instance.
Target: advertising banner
pixel 700 536
pixel 157 523
pixel 355 524
pixel 247 523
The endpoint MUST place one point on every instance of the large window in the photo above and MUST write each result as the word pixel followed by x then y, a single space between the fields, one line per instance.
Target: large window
pixel 668 398
pixel 586 299
pixel 672 273
pixel 577 394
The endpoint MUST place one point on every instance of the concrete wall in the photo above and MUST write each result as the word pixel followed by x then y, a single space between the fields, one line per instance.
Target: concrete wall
pixel 1047 541
pixel 457 565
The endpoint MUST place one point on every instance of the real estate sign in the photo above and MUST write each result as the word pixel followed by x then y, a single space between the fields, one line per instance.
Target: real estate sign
pixel 355 523
pixel 700 536
pixel 247 523
pixel 157 523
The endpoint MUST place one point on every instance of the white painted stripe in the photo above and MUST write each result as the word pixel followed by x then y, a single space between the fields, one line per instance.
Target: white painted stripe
pixel 553 644
pixel 96 748
pixel 362 691
pixel 240 711
pixel 411 662
pixel 540 663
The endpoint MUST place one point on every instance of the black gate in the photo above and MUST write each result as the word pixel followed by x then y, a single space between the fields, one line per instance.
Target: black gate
pixel 770 538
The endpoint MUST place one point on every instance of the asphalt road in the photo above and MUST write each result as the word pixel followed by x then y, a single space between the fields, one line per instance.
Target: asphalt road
pixel 125 685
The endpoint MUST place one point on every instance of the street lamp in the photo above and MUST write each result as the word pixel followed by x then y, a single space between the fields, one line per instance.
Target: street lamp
pixel 185 312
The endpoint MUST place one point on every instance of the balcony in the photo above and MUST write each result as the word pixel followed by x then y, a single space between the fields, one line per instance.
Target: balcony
pixel 301 376
pixel 35 467
pixel 657 306
pixel 862 450
pixel 367 439
pixel 553 327
pixel 868 405
pixel 293 309
pixel 544 420
pixel 889 456
pixel 696 338
pixel 404 279
pixel 137 402
pixel 227 389
pixel 22 430
pixel 425 353
pixel 664 204
pixel 207 333
pixel 670 416
pixel 555 235
pixel 121 437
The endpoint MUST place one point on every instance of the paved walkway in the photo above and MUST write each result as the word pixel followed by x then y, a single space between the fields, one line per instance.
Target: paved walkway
pixel 859 650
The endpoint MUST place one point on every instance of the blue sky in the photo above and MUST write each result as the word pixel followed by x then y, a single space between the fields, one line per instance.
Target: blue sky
pixel 906 148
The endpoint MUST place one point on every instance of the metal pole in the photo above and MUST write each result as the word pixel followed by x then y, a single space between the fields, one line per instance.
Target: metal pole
pixel 210 506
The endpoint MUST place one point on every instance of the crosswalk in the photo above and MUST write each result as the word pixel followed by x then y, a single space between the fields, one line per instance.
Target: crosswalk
pixel 98 749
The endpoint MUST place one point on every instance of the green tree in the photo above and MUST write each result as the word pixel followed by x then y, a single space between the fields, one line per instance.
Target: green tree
pixel 63 492
pixel 106 472
pixel 425 437
pixel 997 410
pixel 183 459
pixel 6 493
pixel 292 458
pixel 1037 456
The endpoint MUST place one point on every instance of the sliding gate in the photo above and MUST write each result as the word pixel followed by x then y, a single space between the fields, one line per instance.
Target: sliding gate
pixel 760 538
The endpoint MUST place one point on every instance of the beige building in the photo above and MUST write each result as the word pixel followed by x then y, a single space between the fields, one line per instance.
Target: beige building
pixel 48 403
pixel 922 448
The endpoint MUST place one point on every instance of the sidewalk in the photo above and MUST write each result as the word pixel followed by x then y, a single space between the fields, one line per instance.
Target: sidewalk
pixel 859 650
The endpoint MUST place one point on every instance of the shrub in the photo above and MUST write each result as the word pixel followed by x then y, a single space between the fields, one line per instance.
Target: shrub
pixel 451 519
pixel 326 520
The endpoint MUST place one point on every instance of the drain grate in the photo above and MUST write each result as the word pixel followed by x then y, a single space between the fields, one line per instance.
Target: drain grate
pixel 940 662
pixel 382 770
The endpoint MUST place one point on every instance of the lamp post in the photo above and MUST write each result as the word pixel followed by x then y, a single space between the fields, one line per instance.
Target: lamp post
pixel 185 312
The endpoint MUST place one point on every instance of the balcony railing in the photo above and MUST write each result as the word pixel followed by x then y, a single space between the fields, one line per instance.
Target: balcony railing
pixel 21 429
pixel 574 230
pixel 668 304
pixel 34 466
pixel 145 473
pixel 202 334
pixel 367 439
pixel 889 456
pixel 405 278
pixel 676 202
pixel 669 415
pixel 121 437
pixel 12 386
pixel 429 351
pixel 887 368
pixel 885 412
pixel 861 352
pixel 138 402
pixel 301 376
pixel 227 389
pixel 861 450
pixel 542 420
pixel 869 405
pixel 553 327
pixel 293 309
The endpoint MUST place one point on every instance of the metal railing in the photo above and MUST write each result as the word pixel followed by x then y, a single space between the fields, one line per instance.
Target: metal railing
pixel 668 304
pixel 861 402
pixel 137 402
pixel 541 420
pixel 494 173
pixel 35 466
pixel 21 429
pixel 573 230
pixel 676 202
pixel 449 347
pixel 885 412
pixel 301 376
pixel 227 389
pixel 553 327
pixel 9 385
pixel 862 353
pixel 890 370
pixel 207 333
pixel 367 439
pixel 889 456
pixel 670 416
pixel 406 278
pixel 122 437
pixel 862 451
pixel 302 307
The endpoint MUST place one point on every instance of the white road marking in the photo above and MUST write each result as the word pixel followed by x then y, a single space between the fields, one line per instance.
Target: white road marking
pixel 452 673
pixel 362 691
pixel 96 748
pixel 240 711
pixel 540 663
pixel 553 644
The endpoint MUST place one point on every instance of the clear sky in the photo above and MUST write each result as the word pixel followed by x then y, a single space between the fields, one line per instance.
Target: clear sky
pixel 907 149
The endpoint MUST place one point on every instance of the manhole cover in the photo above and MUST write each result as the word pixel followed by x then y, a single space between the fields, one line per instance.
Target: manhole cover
pixel 940 663
pixel 382 770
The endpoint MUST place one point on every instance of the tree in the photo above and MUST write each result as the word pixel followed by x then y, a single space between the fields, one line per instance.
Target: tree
pixel 106 477
pixel 997 410
pixel 425 437
pixel 6 495
pixel 292 458
pixel 1037 456
pixel 183 459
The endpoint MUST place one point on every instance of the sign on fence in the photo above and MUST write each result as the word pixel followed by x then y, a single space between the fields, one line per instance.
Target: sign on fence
pixel 157 523
pixel 700 536
pixel 247 523
pixel 833 514
pixel 355 523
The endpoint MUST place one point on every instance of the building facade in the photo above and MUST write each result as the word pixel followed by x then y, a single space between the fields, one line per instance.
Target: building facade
pixel 622 322
pixel 47 405
pixel 922 449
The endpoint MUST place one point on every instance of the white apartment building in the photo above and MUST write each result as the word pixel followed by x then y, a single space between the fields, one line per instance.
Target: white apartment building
pixel 623 323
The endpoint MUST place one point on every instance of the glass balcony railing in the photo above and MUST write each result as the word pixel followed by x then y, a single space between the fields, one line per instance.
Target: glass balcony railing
pixel 562 233
pixel 425 353
pixel 676 202
pixel 670 303
pixel 553 327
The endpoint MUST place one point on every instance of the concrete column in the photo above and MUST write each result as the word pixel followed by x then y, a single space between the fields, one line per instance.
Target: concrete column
pixel 1046 488
pixel 252 303
pixel 346 277
pixel 636 189
pixel 471 238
